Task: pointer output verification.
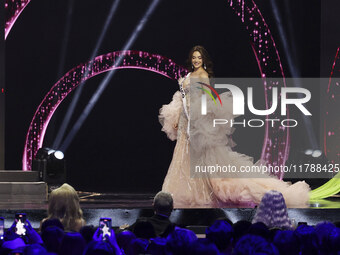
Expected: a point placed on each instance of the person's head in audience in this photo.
(163, 203)
(287, 242)
(259, 229)
(272, 211)
(34, 249)
(333, 241)
(179, 241)
(52, 237)
(309, 243)
(323, 229)
(99, 248)
(329, 239)
(221, 234)
(138, 246)
(124, 239)
(203, 247)
(63, 204)
(251, 244)
(144, 229)
(51, 222)
(157, 246)
(272, 233)
(87, 232)
(72, 244)
(240, 229)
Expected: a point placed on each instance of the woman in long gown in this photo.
(212, 148)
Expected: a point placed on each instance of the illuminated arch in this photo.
(77, 75)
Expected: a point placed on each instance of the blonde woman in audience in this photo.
(63, 204)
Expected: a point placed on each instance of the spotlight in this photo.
(316, 153)
(310, 166)
(58, 155)
(308, 152)
(51, 165)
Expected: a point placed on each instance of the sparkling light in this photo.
(268, 59)
(73, 78)
(13, 9)
(331, 120)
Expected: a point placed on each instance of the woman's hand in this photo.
(111, 239)
(33, 236)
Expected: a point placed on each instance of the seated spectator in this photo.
(99, 248)
(124, 239)
(309, 243)
(221, 234)
(250, 244)
(144, 229)
(204, 247)
(272, 233)
(272, 211)
(259, 229)
(52, 237)
(87, 232)
(72, 244)
(287, 242)
(109, 238)
(179, 241)
(332, 242)
(13, 246)
(157, 246)
(35, 249)
(138, 246)
(63, 204)
(163, 206)
(323, 231)
(240, 229)
(51, 222)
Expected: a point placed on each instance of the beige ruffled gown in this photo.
(211, 148)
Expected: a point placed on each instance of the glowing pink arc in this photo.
(331, 125)
(73, 78)
(275, 147)
(13, 9)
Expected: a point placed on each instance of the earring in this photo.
(192, 66)
(205, 67)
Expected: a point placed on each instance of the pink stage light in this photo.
(275, 149)
(13, 9)
(331, 120)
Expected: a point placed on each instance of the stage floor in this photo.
(107, 200)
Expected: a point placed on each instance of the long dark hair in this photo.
(205, 57)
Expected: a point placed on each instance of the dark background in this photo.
(2, 86)
(120, 147)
